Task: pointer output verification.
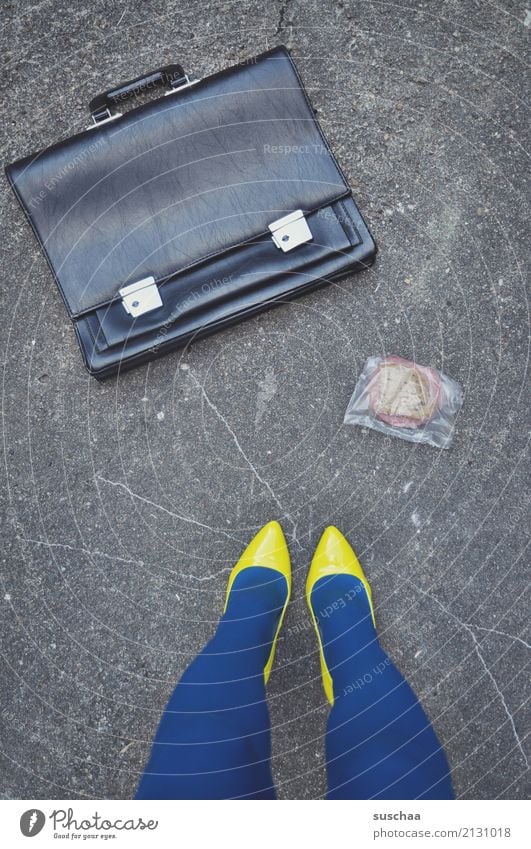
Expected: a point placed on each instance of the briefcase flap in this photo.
(177, 181)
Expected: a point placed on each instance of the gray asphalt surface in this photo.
(127, 502)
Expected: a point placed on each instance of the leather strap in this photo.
(171, 76)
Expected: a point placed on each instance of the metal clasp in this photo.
(141, 297)
(103, 118)
(187, 83)
(290, 231)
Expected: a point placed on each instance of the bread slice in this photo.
(404, 394)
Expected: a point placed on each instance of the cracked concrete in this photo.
(126, 503)
(282, 513)
(477, 648)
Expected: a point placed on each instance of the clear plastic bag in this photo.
(404, 399)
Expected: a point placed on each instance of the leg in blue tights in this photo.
(214, 739)
(379, 743)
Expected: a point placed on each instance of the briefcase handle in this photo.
(172, 76)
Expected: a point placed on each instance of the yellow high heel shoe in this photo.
(268, 549)
(333, 556)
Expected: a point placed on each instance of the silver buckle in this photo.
(187, 84)
(141, 297)
(110, 117)
(290, 231)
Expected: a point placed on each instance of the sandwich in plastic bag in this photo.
(402, 398)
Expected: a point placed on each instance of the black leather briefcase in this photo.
(192, 211)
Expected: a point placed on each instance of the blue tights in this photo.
(214, 738)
